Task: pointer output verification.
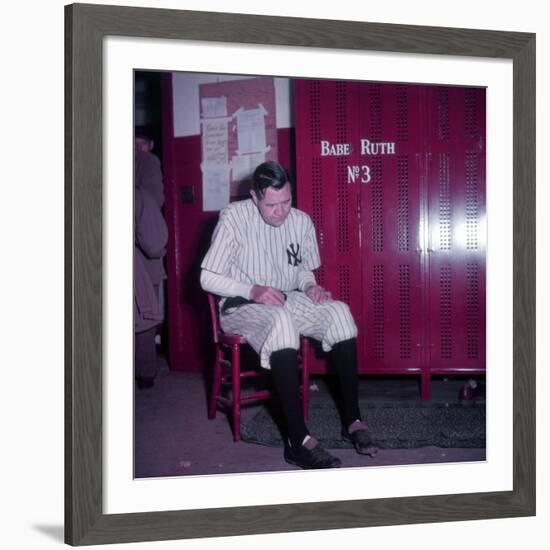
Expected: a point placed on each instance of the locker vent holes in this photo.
(443, 113)
(344, 284)
(402, 114)
(445, 312)
(472, 310)
(320, 276)
(341, 168)
(375, 113)
(444, 202)
(470, 113)
(315, 112)
(341, 113)
(378, 311)
(377, 206)
(317, 199)
(404, 312)
(472, 203)
(343, 205)
(403, 203)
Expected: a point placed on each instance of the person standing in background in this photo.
(150, 238)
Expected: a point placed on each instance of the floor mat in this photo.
(392, 426)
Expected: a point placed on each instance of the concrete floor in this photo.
(174, 437)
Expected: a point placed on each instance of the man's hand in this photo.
(267, 295)
(317, 294)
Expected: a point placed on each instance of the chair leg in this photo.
(305, 380)
(216, 386)
(236, 389)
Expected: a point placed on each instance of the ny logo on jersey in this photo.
(293, 253)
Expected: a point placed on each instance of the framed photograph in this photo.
(99, 79)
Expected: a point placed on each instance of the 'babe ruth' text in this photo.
(358, 173)
(367, 147)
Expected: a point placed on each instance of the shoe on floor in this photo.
(311, 459)
(361, 440)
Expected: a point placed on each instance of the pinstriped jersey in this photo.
(248, 250)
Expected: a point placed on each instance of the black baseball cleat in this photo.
(311, 459)
(361, 441)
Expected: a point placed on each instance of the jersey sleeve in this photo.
(222, 247)
(311, 257)
(216, 265)
(223, 286)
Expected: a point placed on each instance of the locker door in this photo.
(390, 259)
(457, 247)
(327, 111)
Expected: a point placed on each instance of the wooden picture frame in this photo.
(85, 28)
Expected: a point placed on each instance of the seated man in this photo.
(260, 260)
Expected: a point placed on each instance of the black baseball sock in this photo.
(286, 383)
(344, 358)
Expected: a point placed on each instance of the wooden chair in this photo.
(228, 369)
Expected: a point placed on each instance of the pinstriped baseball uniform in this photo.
(246, 251)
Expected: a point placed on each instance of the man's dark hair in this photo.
(143, 132)
(269, 174)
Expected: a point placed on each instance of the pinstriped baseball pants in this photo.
(273, 328)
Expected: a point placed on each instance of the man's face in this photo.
(275, 204)
(143, 145)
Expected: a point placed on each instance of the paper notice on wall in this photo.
(214, 107)
(251, 130)
(240, 167)
(214, 141)
(215, 186)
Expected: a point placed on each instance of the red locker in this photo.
(390, 255)
(393, 176)
(456, 239)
